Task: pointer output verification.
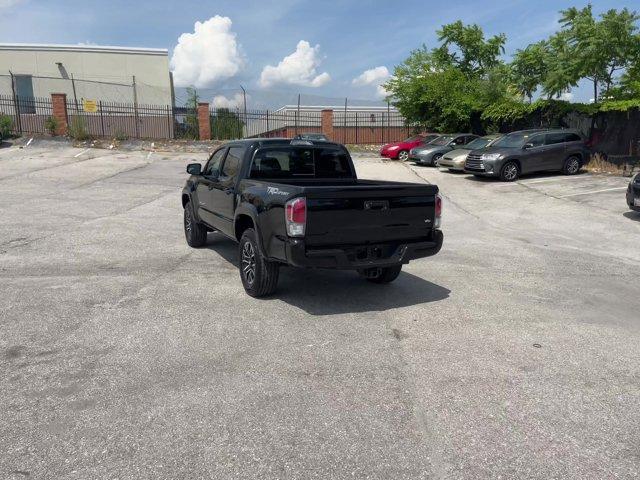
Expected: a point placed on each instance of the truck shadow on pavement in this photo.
(331, 292)
(632, 216)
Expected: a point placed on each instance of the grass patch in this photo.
(600, 164)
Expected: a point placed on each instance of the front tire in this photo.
(510, 172)
(194, 231)
(403, 155)
(571, 166)
(259, 276)
(435, 158)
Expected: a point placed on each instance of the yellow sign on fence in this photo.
(90, 106)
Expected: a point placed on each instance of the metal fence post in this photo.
(356, 117)
(16, 103)
(101, 117)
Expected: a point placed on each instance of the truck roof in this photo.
(284, 141)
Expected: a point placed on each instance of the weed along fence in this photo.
(95, 118)
(27, 115)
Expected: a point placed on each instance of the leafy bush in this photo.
(77, 129)
(5, 126)
(51, 124)
(121, 136)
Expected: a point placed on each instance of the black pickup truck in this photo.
(299, 203)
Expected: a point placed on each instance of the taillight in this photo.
(295, 214)
(438, 222)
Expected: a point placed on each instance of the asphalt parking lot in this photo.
(125, 354)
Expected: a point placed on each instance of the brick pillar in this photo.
(59, 109)
(204, 121)
(327, 123)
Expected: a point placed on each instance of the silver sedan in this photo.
(431, 153)
(454, 160)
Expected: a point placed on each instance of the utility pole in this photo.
(135, 105)
(75, 97)
(244, 101)
(16, 105)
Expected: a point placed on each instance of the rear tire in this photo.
(386, 275)
(435, 158)
(403, 155)
(571, 166)
(259, 276)
(194, 231)
(510, 172)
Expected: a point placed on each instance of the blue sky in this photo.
(343, 38)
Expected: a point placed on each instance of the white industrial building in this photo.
(110, 74)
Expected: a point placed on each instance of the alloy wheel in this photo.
(403, 155)
(511, 172)
(248, 263)
(188, 223)
(573, 166)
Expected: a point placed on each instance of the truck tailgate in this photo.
(369, 213)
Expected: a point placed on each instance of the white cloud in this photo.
(208, 55)
(237, 101)
(299, 68)
(373, 76)
(382, 92)
(568, 96)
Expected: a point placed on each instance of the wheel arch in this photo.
(247, 217)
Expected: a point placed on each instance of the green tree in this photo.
(530, 68)
(226, 125)
(465, 47)
(191, 119)
(600, 49)
(447, 88)
(561, 72)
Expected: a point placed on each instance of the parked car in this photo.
(312, 136)
(633, 193)
(431, 153)
(529, 151)
(400, 150)
(297, 203)
(454, 160)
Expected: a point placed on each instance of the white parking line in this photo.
(593, 191)
(555, 179)
(84, 151)
(149, 156)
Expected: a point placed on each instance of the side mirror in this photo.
(527, 146)
(194, 169)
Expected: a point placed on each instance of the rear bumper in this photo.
(354, 257)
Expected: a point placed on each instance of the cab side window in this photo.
(537, 141)
(572, 137)
(232, 163)
(213, 165)
(555, 138)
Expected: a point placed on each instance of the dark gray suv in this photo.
(530, 151)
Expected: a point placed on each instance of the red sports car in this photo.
(400, 150)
